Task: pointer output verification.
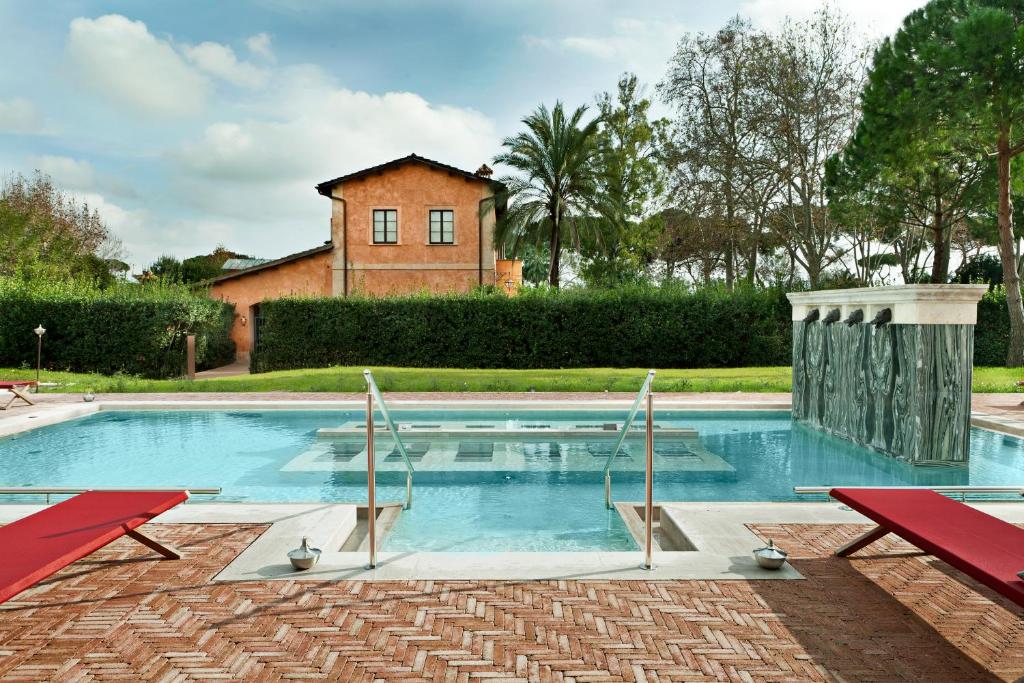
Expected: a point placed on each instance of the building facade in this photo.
(409, 225)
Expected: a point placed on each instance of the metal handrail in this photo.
(644, 389)
(374, 391)
(961, 490)
(373, 394)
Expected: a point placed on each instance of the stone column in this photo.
(888, 368)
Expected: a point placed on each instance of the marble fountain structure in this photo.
(888, 367)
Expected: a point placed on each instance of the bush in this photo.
(630, 327)
(123, 329)
(992, 333)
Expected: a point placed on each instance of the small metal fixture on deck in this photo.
(770, 557)
(304, 557)
(88, 396)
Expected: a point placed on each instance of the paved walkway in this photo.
(239, 367)
(892, 615)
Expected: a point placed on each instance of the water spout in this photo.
(812, 316)
(855, 317)
(882, 317)
(832, 316)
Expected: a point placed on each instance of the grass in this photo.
(350, 379)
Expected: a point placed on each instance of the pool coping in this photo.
(47, 414)
(720, 532)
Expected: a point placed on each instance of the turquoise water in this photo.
(544, 505)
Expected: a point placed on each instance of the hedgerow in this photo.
(630, 327)
(138, 330)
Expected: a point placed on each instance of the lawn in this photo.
(345, 379)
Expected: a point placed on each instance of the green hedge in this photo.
(992, 333)
(661, 328)
(128, 329)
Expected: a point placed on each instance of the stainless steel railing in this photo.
(962, 491)
(373, 394)
(644, 391)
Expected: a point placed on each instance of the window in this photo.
(442, 226)
(385, 226)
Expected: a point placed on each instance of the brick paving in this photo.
(894, 615)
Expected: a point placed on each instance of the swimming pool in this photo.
(486, 479)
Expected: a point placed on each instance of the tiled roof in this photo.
(243, 263)
(324, 188)
(323, 248)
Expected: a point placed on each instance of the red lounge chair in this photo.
(39, 545)
(981, 546)
(17, 390)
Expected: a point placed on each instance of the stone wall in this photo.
(904, 390)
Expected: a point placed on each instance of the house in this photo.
(408, 225)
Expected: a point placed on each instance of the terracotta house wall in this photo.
(413, 264)
(310, 275)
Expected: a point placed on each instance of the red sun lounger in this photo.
(981, 546)
(39, 545)
(17, 390)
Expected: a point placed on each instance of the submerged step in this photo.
(513, 433)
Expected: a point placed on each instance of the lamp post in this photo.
(40, 331)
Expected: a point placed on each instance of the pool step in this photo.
(359, 539)
(667, 535)
(524, 433)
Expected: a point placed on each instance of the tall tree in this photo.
(712, 83)
(46, 232)
(632, 176)
(556, 196)
(810, 78)
(959, 65)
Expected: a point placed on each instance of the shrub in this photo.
(122, 329)
(992, 333)
(665, 327)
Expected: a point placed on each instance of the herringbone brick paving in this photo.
(886, 617)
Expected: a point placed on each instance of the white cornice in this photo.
(910, 304)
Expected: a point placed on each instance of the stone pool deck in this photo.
(890, 615)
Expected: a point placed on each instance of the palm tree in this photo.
(556, 196)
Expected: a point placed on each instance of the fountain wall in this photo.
(888, 367)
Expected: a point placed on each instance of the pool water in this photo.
(527, 494)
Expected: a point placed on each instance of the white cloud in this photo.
(220, 61)
(73, 174)
(121, 60)
(323, 130)
(259, 46)
(878, 17)
(258, 174)
(640, 46)
(18, 115)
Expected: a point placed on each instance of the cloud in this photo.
(878, 17)
(18, 115)
(73, 174)
(641, 46)
(121, 60)
(259, 173)
(220, 61)
(325, 130)
(259, 46)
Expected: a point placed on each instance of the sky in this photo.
(192, 124)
